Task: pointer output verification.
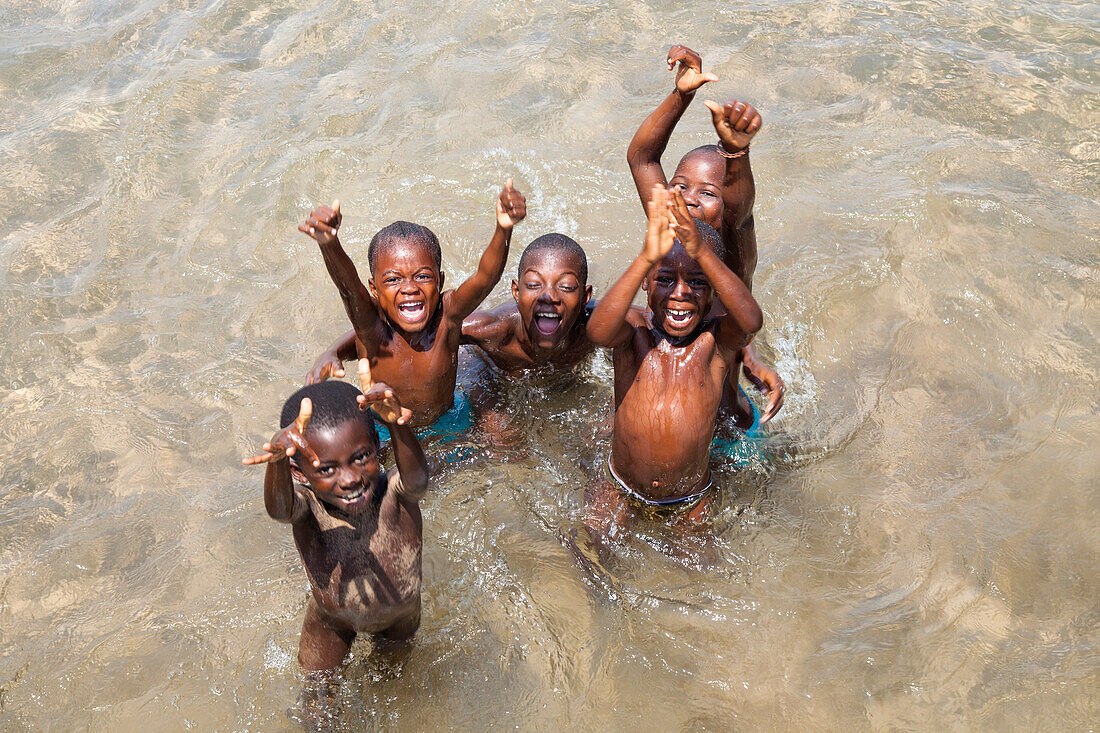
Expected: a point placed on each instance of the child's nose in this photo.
(681, 289)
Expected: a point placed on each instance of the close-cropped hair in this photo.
(559, 243)
(388, 236)
(333, 405)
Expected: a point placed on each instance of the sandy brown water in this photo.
(914, 547)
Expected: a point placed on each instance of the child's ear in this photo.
(515, 290)
(372, 288)
(587, 294)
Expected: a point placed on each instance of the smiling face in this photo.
(699, 180)
(349, 465)
(550, 295)
(407, 283)
(679, 293)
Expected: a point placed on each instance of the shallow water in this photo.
(913, 547)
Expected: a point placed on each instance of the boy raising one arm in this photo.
(670, 372)
(407, 326)
(717, 184)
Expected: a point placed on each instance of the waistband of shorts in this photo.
(679, 501)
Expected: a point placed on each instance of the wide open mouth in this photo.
(679, 318)
(413, 311)
(547, 323)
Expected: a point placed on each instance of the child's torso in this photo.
(666, 401)
(365, 573)
(423, 376)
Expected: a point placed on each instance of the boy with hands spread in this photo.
(670, 370)
(357, 528)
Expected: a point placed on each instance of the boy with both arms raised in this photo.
(410, 331)
(670, 367)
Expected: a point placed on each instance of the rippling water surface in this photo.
(914, 547)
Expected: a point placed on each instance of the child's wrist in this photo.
(728, 154)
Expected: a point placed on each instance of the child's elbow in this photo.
(754, 320)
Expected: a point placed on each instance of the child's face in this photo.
(407, 284)
(349, 465)
(699, 180)
(550, 296)
(680, 295)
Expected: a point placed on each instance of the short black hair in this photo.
(711, 236)
(558, 242)
(333, 405)
(399, 231)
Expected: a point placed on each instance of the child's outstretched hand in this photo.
(736, 123)
(323, 223)
(689, 76)
(683, 225)
(658, 236)
(511, 206)
(289, 440)
(380, 397)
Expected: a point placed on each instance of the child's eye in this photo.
(325, 471)
(423, 276)
(531, 286)
(390, 280)
(362, 458)
(567, 288)
(711, 194)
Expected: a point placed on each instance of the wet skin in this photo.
(357, 529)
(670, 372)
(667, 381)
(405, 324)
(545, 326)
(720, 191)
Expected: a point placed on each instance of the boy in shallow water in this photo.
(545, 327)
(717, 184)
(406, 325)
(356, 527)
(670, 369)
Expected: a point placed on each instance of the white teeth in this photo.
(548, 315)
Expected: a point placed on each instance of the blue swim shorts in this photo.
(454, 424)
(740, 449)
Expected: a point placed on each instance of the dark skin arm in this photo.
(610, 325)
(322, 226)
(278, 481)
(736, 123)
(511, 209)
(649, 142)
(408, 455)
(766, 381)
(331, 361)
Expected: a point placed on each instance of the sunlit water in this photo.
(915, 546)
